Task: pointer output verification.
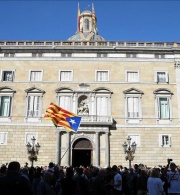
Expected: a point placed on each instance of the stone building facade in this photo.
(120, 89)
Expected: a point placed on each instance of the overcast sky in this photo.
(116, 20)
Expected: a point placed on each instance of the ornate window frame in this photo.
(7, 91)
(33, 91)
(133, 93)
(163, 93)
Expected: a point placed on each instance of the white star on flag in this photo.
(72, 121)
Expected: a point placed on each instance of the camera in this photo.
(169, 160)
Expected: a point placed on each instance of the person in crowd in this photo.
(37, 178)
(163, 177)
(117, 181)
(154, 183)
(25, 172)
(44, 186)
(82, 182)
(173, 177)
(13, 182)
(141, 184)
(98, 184)
(68, 184)
(109, 181)
(125, 181)
(58, 187)
(3, 170)
(131, 182)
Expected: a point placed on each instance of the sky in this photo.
(151, 21)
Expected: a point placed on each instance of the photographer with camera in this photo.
(173, 177)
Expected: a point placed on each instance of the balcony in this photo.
(96, 120)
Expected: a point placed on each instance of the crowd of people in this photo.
(116, 180)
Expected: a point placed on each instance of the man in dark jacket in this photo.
(13, 182)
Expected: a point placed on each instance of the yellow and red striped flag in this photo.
(93, 15)
(62, 117)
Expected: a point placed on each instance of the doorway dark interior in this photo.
(82, 157)
(82, 153)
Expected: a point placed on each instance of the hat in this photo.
(173, 164)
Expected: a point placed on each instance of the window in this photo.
(66, 55)
(103, 105)
(3, 138)
(5, 106)
(65, 98)
(132, 76)
(161, 77)
(7, 75)
(29, 136)
(133, 107)
(35, 75)
(133, 110)
(66, 75)
(34, 104)
(102, 75)
(165, 140)
(136, 139)
(6, 95)
(163, 104)
(86, 24)
(65, 102)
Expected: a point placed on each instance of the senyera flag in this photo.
(62, 117)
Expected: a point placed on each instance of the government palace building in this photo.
(121, 89)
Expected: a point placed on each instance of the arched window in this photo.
(86, 24)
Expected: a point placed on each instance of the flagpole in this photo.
(67, 148)
(78, 15)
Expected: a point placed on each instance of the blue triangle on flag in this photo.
(74, 122)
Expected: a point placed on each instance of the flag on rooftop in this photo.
(93, 15)
(62, 117)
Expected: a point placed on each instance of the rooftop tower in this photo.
(86, 26)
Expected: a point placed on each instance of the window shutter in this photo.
(155, 77)
(167, 78)
(36, 106)
(2, 138)
(170, 141)
(30, 106)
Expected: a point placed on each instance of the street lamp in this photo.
(33, 150)
(129, 149)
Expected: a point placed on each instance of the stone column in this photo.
(107, 149)
(97, 149)
(58, 143)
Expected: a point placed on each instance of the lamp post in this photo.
(129, 149)
(33, 150)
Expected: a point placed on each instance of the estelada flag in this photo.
(62, 117)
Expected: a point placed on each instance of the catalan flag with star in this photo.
(62, 117)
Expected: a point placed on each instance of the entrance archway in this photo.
(82, 153)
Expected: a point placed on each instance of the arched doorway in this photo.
(82, 153)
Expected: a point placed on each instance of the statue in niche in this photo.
(83, 108)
